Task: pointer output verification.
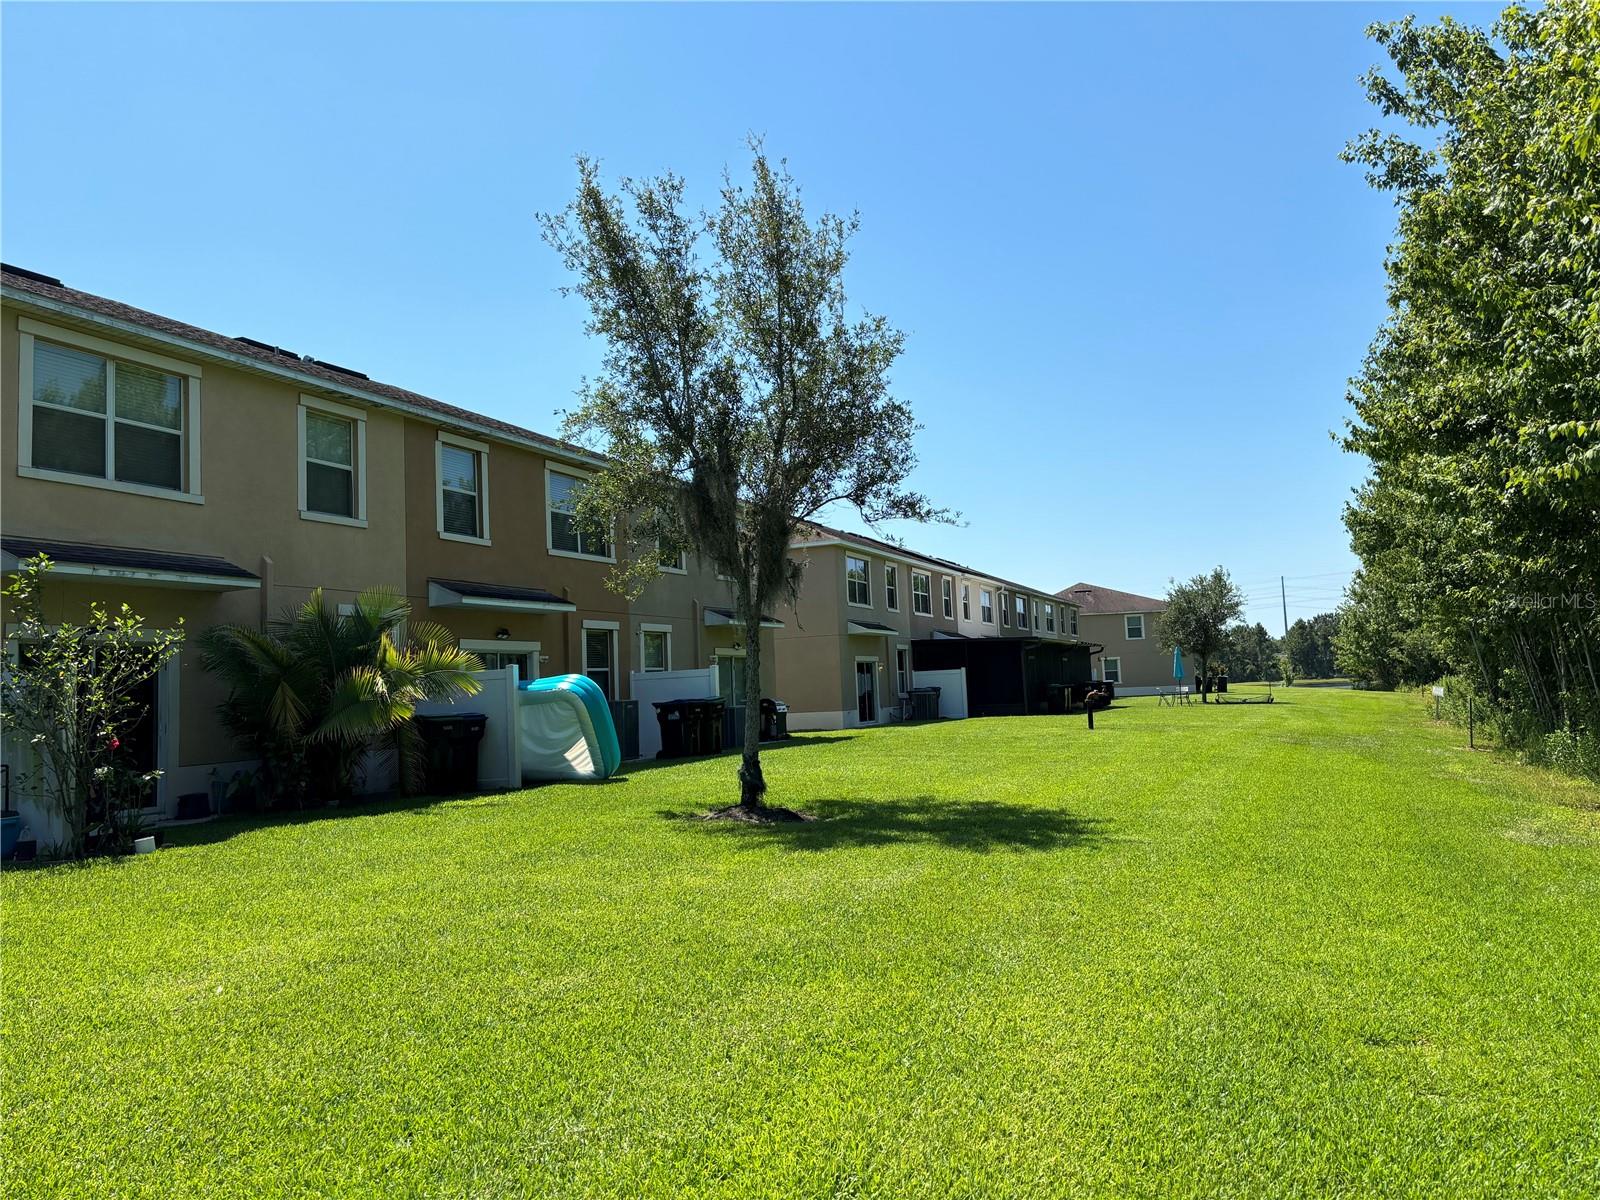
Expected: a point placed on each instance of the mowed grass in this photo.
(1308, 949)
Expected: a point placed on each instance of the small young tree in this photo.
(67, 692)
(738, 396)
(1198, 616)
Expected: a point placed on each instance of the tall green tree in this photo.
(739, 395)
(1250, 653)
(1479, 402)
(1309, 645)
(1198, 615)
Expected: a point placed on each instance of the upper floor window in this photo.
(891, 587)
(1072, 621)
(1005, 611)
(1133, 625)
(857, 581)
(673, 559)
(966, 602)
(1049, 618)
(566, 536)
(921, 593)
(1022, 612)
(107, 415)
(986, 605)
(947, 594)
(1036, 624)
(333, 443)
(463, 499)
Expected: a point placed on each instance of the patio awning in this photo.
(125, 564)
(946, 635)
(872, 628)
(499, 597)
(726, 616)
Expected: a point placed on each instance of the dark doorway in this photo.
(867, 692)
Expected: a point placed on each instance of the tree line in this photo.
(1478, 405)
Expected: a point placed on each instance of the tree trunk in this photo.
(752, 784)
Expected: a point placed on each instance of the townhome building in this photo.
(216, 479)
(852, 642)
(1126, 629)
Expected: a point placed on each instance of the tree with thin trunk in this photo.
(1198, 615)
(739, 394)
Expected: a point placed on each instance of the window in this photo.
(1005, 611)
(921, 593)
(655, 648)
(672, 559)
(1072, 617)
(986, 605)
(106, 415)
(730, 677)
(463, 501)
(902, 669)
(501, 653)
(1022, 612)
(857, 581)
(1049, 618)
(947, 594)
(333, 442)
(1113, 670)
(597, 658)
(564, 533)
(966, 602)
(1133, 625)
(891, 587)
(1036, 624)
(499, 660)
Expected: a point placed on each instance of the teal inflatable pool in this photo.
(565, 731)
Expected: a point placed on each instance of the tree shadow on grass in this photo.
(979, 826)
(641, 765)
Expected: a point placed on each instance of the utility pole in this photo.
(1283, 594)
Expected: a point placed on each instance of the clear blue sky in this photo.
(1119, 239)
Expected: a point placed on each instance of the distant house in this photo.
(1125, 625)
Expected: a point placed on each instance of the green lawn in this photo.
(1308, 949)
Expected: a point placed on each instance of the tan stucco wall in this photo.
(1144, 662)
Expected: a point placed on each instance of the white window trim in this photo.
(190, 493)
(1050, 618)
(927, 579)
(902, 648)
(1104, 670)
(877, 686)
(1127, 631)
(648, 627)
(506, 646)
(358, 420)
(947, 597)
(666, 568)
(482, 449)
(614, 670)
(983, 620)
(887, 567)
(966, 602)
(549, 524)
(867, 562)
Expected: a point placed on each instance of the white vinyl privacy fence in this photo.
(650, 687)
(952, 687)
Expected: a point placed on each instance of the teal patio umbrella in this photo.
(1177, 666)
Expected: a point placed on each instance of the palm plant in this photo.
(317, 688)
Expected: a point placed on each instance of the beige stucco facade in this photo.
(1141, 664)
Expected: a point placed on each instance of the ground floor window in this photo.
(902, 669)
(496, 660)
(1112, 671)
(599, 655)
(499, 654)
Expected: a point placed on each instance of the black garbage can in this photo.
(450, 750)
(710, 715)
(1220, 683)
(1058, 698)
(678, 732)
(925, 703)
(774, 719)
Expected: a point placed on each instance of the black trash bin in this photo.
(710, 716)
(450, 749)
(925, 703)
(679, 735)
(1220, 683)
(1058, 698)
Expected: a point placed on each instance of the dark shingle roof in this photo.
(123, 557)
(501, 591)
(1091, 598)
(892, 548)
(23, 285)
